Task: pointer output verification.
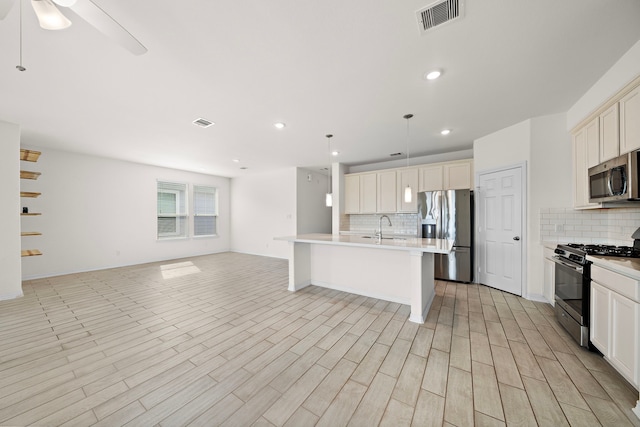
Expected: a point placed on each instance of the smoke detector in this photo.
(438, 13)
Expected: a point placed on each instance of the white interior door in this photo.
(499, 224)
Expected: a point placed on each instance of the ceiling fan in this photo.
(51, 18)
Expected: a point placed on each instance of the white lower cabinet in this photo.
(549, 274)
(614, 328)
(625, 325)
(599, 323)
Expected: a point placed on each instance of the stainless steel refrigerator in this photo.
(448, 214)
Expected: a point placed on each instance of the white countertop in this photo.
(627, 266)
(437, 246)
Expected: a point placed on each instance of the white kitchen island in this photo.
(391, 269)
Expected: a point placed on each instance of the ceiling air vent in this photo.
(203, 123)
(438, 13)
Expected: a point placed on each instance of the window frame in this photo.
(208, 189)
(181, 218)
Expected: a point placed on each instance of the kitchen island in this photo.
(392, 269)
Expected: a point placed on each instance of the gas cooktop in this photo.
(605, 250)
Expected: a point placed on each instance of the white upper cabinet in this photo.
(613, 129)
(352, 194)
(431, 178)
(592, 135)
(387, 192)
(368, 193)
(630, 121)
(382, 191)
(458, 176)
(581, 164)
(609, 133)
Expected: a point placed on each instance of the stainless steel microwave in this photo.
(615, 179)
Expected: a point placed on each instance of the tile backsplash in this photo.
(401, 224)
(598, 226)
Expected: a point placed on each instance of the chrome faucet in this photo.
(379, 233)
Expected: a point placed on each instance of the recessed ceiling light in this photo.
(445, 131)
(279, 125)
(335, 153)
(432, 75)
(203, 123)
(236, 160)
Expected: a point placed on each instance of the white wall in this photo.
(551, 186)
(263, 206)
(10, 265)
(312, 215)
(508, 146)
(99, 213)
(622, 72)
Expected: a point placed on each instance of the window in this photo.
(172, 210)
(205, 210)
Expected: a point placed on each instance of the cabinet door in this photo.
(368, 193)
(387, 192)
(580, 171)
(431, 178)
(599, 323)
(592, 135)
(630, 121)
(458, 176)
(609, 133)
(623, 350)
(549, 275)
(352, 194)
(408, 177)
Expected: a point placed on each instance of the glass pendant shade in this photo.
(49, 17)
(328, 199)
(407, 194)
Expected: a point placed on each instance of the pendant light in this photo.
(408, 192)
(20, 67)
(329, 197)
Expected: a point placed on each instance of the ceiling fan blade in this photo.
(49, 17)
(103, 22)
(5, 7)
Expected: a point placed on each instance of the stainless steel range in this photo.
(572, 277)
(572, 284)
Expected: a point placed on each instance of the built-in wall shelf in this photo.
(30, 252)
(29, 155)
(29, 194)
(29, 175)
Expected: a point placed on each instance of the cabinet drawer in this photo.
(623, 285)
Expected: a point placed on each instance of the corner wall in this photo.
(100, 213)
(312, 215)
(10, 261)
(263, 206)
(544, 144)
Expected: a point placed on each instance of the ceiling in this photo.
(349, 68)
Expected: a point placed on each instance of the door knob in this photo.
(516, 238)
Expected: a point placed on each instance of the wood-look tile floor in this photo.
(218, 340)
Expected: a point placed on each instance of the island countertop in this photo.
(437, 246)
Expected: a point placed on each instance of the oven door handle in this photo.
(557, 260)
